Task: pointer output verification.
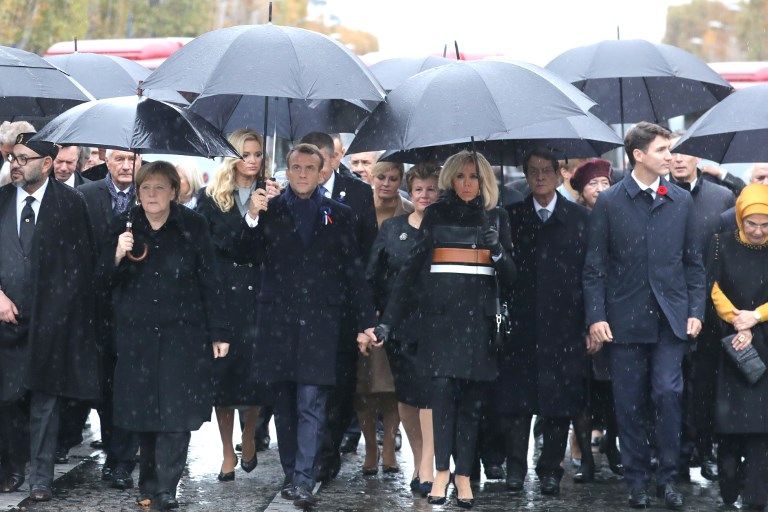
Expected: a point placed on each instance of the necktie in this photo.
(27, 225)
(544, 214)
(324, 191)
(649, 196)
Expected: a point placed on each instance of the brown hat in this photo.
(40, 147)
(586, 172)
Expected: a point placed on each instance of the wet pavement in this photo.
(80, 487)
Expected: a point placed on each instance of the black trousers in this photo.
(162, 461)
(456, 408)
(748, 477)
(14, 437)
(339, 409)
(43, 433)
(120, 445)
(555, 432)
(72, 417)
(492, 437)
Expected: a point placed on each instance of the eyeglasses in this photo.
(755, 225)
(22, 159)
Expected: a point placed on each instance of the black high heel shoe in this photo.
(424, 488)
(439, 500)
(250, 465)
(613, 455)
(227, 477)
(465, 504)
(585, 474)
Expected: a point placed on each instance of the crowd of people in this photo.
(622, 308)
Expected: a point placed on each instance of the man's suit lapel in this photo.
(662, 199)
(105, 199)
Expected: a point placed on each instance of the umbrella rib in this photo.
(650, 101)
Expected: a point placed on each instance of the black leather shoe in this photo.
(550, 486)
(249, 465)
(514, 483)
(349, 443)
(709, 470)
(262, 443)
(673, 499)
(62, 456)
(12, 482)
(98, 444)
(41, 494)
(288, 491)
(304, 498)
(121, 480)
(585, 474)
(495, 472)
(638, 498)
(415, 485)
(165, 501)
(106, 473)
(424, 488)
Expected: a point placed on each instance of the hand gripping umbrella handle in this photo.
(129, 255)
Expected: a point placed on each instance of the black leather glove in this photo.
(382, 333)
(490, 239)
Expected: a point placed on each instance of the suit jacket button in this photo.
(234, 264)
(302, 323)
(250, 287)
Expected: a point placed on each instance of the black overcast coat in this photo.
(305, 291)
(168, 311)
(546, 362)
(456, 310)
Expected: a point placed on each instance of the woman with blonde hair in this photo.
(387, 178)
(451, 275)
(191, 183)
(224, 203)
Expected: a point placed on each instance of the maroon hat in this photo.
(586, 172)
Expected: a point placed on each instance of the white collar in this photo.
(653, 186)
(551, 206)
(21, 194)
(329, 184)
(71, 180)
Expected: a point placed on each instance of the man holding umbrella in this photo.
(47, 338)
(644, 288)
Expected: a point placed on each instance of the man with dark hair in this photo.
(359, 197)
(49, 347)
(644, 291)
(305, 242)
(67, 165)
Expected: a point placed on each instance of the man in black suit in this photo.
(67, 166)
(106, 199)
(48, 344)
(313, 278)
(644, 289)
(721, 176)
(358, 195)
(700, 366)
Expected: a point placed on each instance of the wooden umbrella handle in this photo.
(129, 254)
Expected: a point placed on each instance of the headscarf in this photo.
(752, 199)
(589, 170)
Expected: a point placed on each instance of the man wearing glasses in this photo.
(47, 339)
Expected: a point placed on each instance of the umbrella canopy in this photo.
(734, 130)
(580, 136)
(108, 76)
(137, 124)
(635, 80)
(392, 72)
(465, 100)
(30, 87)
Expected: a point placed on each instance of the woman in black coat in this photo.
(223, 204)
(739, 289)
(455, 265)
(390, 251)
(169, 327)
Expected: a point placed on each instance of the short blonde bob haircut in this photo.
(489, 187)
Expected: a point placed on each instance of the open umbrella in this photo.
(30, 87)
(266, 61)
(108, 76)
(138, 124)
(392, 72)
(468, 100)
(634, 80)
(734, 130)
(579, 136)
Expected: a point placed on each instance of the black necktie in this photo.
(648, 195)
(27, 225)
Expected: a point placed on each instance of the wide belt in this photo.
(462, 261)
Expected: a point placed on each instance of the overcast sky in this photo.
(530, 30)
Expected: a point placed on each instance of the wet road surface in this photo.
(81, 489)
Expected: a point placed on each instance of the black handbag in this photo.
(747, 361)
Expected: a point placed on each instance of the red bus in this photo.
(149, 52)
(742, 74)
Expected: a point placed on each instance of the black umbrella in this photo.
(266, 61)
(30, 87)
(108, 76)
(635, 80)
(392, 72)
(580, 136)
(465, 100)
(141, 125)
(734, 130)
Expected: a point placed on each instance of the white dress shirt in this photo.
(71, 180)
(329, 185)
(550, 207)
(21, 198)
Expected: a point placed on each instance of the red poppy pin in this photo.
(662, 190)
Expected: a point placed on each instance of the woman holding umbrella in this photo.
(162, 381)
(223, 204)
(465, 248)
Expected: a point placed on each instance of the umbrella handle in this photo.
(129, 255)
